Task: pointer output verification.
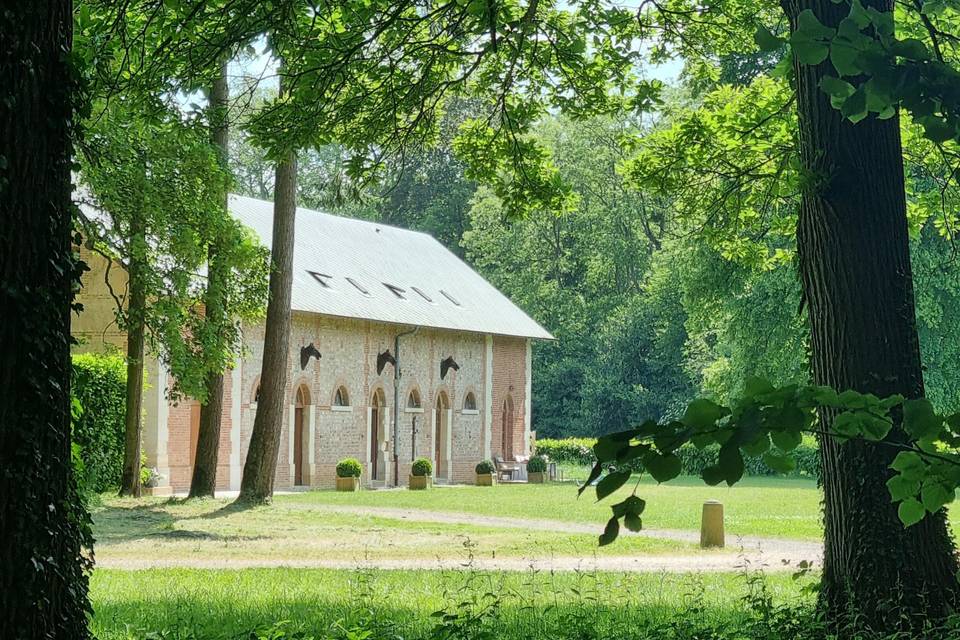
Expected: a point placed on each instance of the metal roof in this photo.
(360, 269)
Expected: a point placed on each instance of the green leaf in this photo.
(633, 504)
(758, 447)
(809, 25)
(859, 15)
(847, 425)
(901, 488)
(911, 512)
(910, 465)
(786, 440)
(780, 464)
(766, 41)
(713, 475)
(935, 495)
(754, 386)
(662, 467)
(809, 41)
(731, 463)
(827, 396)
(633, 522)
(843, 56)
(703, 414)
(855, 107)
(594, 474)
(920, 420)
(611, 531)
(611, 482)
(911, 48)
(875, 428)
(607, 448)
(937, 129)
(809, 52)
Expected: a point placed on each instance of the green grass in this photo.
(132, 532)
(229, 604)
(768, 507)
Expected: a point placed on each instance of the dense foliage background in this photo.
(657, 292)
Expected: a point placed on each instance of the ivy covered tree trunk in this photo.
(43, 526)
(855, 268)
(204, 479)
(136, 308)
(261, 463)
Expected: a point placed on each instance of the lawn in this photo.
(191, 603)
(766, 507)
(297, 529)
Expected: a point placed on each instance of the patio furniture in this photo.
(506, 470)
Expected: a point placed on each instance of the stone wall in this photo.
(349, 350)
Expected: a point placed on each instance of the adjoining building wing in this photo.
(360, 269)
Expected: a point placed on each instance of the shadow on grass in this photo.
(115, 524)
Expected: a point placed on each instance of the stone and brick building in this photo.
(361, 289)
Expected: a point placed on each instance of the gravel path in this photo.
(770, 553)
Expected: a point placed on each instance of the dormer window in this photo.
(359, 287)
(450, 297)
(322, 278)
(395, 290)
(422, 294)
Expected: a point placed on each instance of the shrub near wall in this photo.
(98, 383)
(580, 451)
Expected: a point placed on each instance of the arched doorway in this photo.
(506, 429)
(377, 434)
(441, 436)
(299, 462)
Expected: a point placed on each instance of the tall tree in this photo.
(135, 322)
(44, 528)
(204, 479)
(854, 260)
(256, 485)
(850, 74)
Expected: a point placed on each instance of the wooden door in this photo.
(375, 443)
(298, 446)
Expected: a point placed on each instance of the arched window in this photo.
(413, 400)
(470, 402)
(341, 398)
(256, 393)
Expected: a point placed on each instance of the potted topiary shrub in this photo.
(485, 473)
(348, 474)
(421, 474)
(537, 470)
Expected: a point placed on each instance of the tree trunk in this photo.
(204, 480)
(261, 463)
(136, 309)
(855, 268)
(43, 526)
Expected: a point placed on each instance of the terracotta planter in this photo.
(536, 477)
(485, 480)
(348, 484)
(421, 482)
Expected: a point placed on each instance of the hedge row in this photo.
(580, 451)
(99, 384)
